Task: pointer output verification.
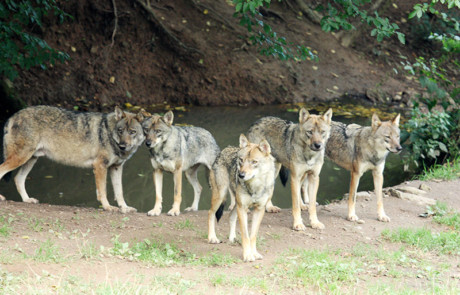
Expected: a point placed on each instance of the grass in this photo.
(46, 283)
(448, 171)
(444, 215)
(5, 225)
(48, 252)
(424, 239)
(164, 254)
(318, 269)
(186, 224)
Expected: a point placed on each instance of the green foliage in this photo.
(19, 47)
(429, 135)
(435, 136)
(262, 34)
(5, 225)
(447, 171)
(337, 18)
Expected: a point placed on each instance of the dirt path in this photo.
(75, 236)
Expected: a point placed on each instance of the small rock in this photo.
(411, 190)
(360, 221)
(423, 201)
(424, 187)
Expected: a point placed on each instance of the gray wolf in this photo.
(101, 141)
(359, 149)
(300, 149)
(248, 173)
(175, 149)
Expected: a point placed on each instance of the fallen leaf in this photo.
(112, 79)
(205, 11)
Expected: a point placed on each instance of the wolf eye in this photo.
(146, 130)
(132, 131)
(309, 133)
(157, 131)
(254, 162)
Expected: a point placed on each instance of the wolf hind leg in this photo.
(192, 177)
(20, 180)
(13, 161)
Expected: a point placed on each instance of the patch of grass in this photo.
(215, 259)
(5, 225)
(444, 215)
(246, 283)
(186, 224)
(448, 171)
(46, 283)
(88, 250)
(155, 252)
(403, 289)
(48, 251)
(424, 239)
(36, 224)
(165, 254)
(316, 269)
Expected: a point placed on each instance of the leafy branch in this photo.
(19, 47)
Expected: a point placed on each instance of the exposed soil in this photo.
(70, 228)
(144, 67)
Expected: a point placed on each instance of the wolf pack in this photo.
(272, 147)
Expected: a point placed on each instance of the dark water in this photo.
(62, 185)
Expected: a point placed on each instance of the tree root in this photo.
(175, 42)
(215, 15)
(115, 13)
(311, 14)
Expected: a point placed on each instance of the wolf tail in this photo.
(220, 211)
(284, 175)
(7, 176)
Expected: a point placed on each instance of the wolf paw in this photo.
(273, 209)
(154, 212)
(299, 227)
(174, 212)
(384, 218)
(257, 255)
(111, 208)
(214, 240)
(31, 201)
(249, 257)
(191, 208)
(127, 209)
(304, 207)
(2, 198)
(317, 225)
(353, 217)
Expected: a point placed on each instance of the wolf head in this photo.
(128, 130)
(387, 133)
(157, 128)
(315, 129)
(253, 158)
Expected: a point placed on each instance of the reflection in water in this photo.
(58, 184)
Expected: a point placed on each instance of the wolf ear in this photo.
(375, 122)
(328, 116)
(396, 120)
(264, 146)
(168, 118)
(243, 141)
(303, 115)
(119, 114)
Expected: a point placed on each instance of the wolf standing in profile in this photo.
(359, 149)
(299, 148)
(248, 173)
(101, 141)
(176, 149)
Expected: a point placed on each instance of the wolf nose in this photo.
(122, 146)
(241, 174)
(399, 148)
(317, 145)
(148, 143)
